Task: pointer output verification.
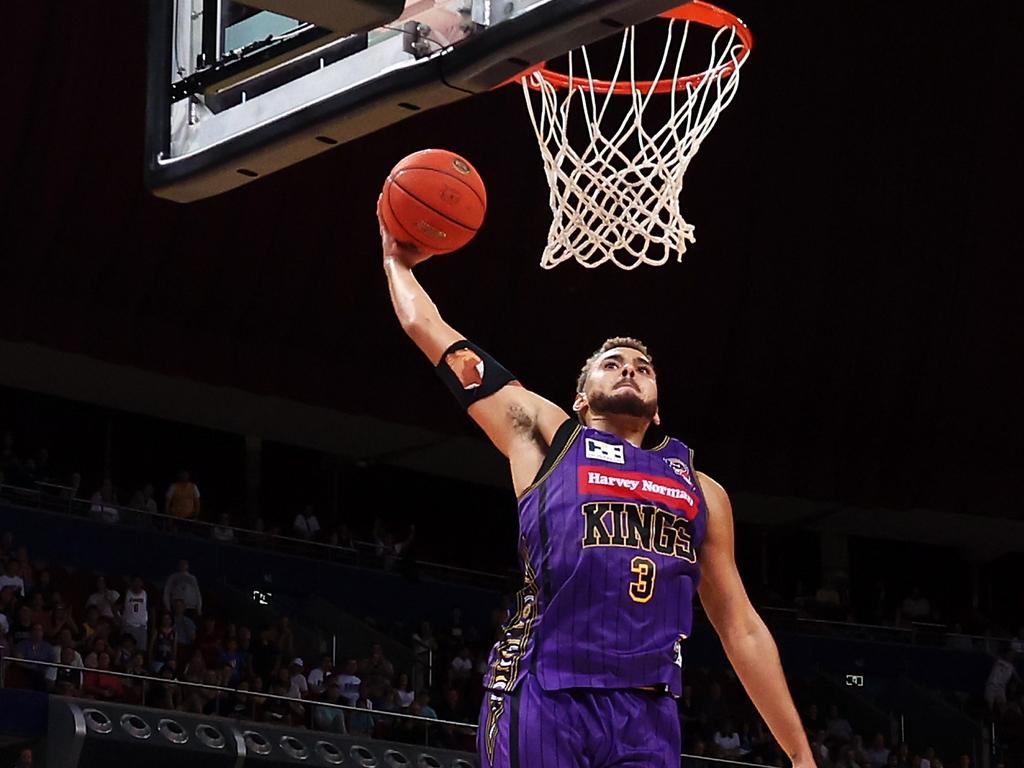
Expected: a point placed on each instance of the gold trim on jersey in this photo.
(568, 444)
(515, 638)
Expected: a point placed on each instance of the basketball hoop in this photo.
(615, 197)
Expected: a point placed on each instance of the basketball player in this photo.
(614, 540)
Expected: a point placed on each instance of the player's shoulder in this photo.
(714, 492)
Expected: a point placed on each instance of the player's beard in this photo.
(626, 403)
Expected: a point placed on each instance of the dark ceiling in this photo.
(847, 325)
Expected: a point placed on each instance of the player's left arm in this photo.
(746, 639)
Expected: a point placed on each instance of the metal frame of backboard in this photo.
(232, 151)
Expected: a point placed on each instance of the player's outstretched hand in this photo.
(405, 253)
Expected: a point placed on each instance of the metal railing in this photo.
(252, 698)
(428, 724)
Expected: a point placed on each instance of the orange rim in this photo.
(697, 11)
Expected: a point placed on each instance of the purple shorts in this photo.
(578, 728)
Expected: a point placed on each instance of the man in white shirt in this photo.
(462, 665)
(1001, 674)
(727, 740)
(317, 677)
(349, 682)
(182, 585)
(12, 577)
(135, 619)
(299, 688)
(104, 599)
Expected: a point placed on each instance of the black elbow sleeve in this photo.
(470, 373)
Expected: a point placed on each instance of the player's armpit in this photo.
(721, 589)
(514, 417)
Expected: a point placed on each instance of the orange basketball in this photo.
(434, 199)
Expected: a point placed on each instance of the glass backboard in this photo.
(239, 90)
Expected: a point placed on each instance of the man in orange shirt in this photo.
(183, 498)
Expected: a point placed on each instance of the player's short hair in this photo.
(616, 341)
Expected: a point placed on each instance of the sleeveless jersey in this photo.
(609, 535)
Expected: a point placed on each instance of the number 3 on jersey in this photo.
(642, 589)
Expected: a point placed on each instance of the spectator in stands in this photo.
(404, 693)
(878, 754)
(845, 758)
(164, 695)
(995, 687)
(462, 666)
(68, 681)
(22, 628)
(5, 642)
(285, 637)
(318, 676)
(223, 531)
(163, 644)
(838, 727)
(12, 577)
(35, 648)
(124, 653)
(103, 504)
(96, 647)
(183, 625)
(330, 718)
(727, 741)
(812, 719)
(277, 710)
(819, 750)
(144, 501)
(182, 585)
(62, 620)
(104, 599)
(90, 623)
(362, 723)
(43, 586)
(298, 688)
(135, 615)
(232, 658)
(350, 682)
(183, 498)
(24, 758)
(305, 525)
(377, 672)
(422, 704)
(915, 606)
(8, 601)
(902, 755)
(266, 655)
(41, 614)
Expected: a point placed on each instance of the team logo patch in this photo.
(601, 481)
(602, 451)
(679, 467)
(467, 367)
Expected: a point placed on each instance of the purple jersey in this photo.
(609, 535)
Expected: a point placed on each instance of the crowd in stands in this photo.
(167, 633)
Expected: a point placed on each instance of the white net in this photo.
(615, 197)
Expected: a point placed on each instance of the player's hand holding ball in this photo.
(433, 202)
(404, 253)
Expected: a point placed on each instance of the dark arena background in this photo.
(842, 346)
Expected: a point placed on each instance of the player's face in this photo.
(622, 381)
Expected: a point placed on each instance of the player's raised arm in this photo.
(520, 423)
(745, 638)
